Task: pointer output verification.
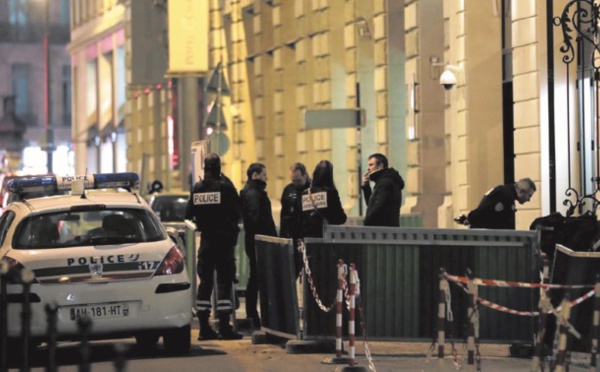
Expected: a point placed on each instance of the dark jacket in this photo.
(289, 223)
(324, 207)
(383, 202)
(496, 209)
(215, 207)
(256, 210)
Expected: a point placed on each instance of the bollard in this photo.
(120, 360)
(563, 333)
(85, 325)
(4, 272)
(442, 314)
(51, 313)
(26, 280)
(338, 359)
(473, 331)
(351, 321)
(441, 340)
(595, 326)
(352, 366)
(544, 305)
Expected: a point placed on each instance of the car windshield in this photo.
(170, 208)
(87, 227)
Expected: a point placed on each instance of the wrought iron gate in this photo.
(574, 104)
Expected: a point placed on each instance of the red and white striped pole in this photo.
(442, 315)
(473, 332)
(351, 321)
(339, 307)
(543, 307)
(595, 326)
(563, 320)
(342, 271)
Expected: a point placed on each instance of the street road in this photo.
(224, 356)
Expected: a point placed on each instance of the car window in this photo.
(170, 208)
(82, 227)
(5, 222)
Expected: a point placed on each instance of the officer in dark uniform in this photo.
(291, 214)
(258, 220)
(497, 208)
(321, 202)
(215, 207)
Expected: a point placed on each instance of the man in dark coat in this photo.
(215, 207)
(383, 202)
(290, 214)
(290, 226)
(496, 209)
(258, 220)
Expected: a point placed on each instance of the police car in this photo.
(96, 253)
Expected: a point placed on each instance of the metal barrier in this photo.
(277, 286)
(406, 220)
(575, 268)
(242, 266)
(400, 268)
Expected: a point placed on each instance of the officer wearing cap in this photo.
(215, 207)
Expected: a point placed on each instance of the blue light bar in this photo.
(116, 180)
(48, 185)
(42, 184)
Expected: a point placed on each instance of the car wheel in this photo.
(177, 340)
(147, 340)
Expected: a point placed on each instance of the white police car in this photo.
(103, 255)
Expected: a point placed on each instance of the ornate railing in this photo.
(579, 23)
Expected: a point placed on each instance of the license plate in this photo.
(100, 311)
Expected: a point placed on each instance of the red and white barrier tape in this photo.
(505, 309)
(505, 283)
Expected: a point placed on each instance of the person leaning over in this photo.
(383, 202)
(258, 220)
(291, 214)
(215, 207)
(496, 210)
(321, 202)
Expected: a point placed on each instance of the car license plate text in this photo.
(100, 311)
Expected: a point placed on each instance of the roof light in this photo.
(48, 185)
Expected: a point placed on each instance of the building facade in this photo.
(23, 76)
(97, 51)
(500, 122)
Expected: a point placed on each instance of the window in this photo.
(17, 12)
(65, 12)
(20, 74)
(5, 222)
(87, 227)
(66, 95)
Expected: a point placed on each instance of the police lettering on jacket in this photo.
(319, 201)
(205, 198)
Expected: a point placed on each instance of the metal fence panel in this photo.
(277, 286)
(399, 270)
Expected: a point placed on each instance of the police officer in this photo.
(321, 202)
(215, 207)
(291, 213)
(258, 220)
(497, 208)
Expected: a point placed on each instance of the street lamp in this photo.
(48, 127)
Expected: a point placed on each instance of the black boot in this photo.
(225, 330)
(206, 331)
